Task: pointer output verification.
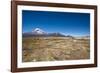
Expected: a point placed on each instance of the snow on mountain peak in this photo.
(38, 31)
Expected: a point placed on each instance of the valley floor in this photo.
(54, 49)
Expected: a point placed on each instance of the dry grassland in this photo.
(54, 49)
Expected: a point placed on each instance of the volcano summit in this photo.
(39, 32)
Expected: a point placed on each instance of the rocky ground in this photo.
(54, 49)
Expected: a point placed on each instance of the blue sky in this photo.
(76, 24)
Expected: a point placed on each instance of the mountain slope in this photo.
(39, 32)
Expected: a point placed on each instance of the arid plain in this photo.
(55, 49)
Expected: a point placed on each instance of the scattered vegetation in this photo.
(54, 48)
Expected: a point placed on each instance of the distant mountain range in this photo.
(37, 32)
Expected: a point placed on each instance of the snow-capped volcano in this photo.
(38, 31)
